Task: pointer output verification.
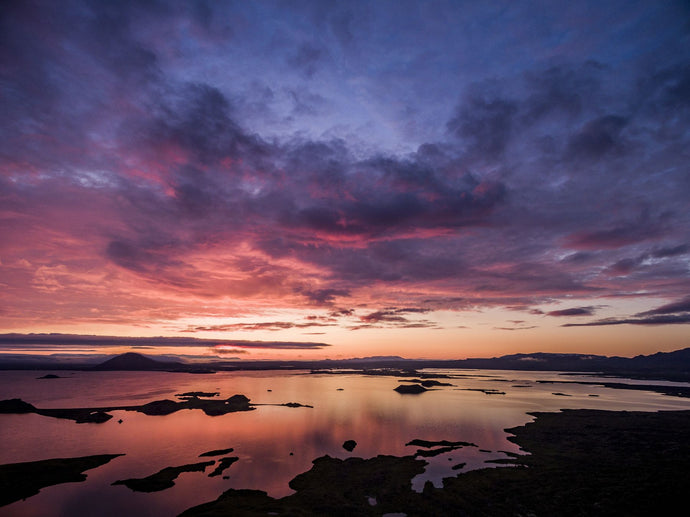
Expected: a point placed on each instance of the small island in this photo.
(410, 389)
(162, 479)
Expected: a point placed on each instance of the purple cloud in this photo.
(573, 311)
(190, 159)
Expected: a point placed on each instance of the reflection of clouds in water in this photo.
(367, 410)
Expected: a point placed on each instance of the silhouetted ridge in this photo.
(134, 361)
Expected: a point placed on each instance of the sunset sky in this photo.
(344, 179)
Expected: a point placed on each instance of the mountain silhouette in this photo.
(134, 361)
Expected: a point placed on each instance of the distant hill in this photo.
(662, 365)
(136, 362)
(673, 365)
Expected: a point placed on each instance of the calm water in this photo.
(366, 410)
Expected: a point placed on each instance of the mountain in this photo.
(134, 361)
(662, 365)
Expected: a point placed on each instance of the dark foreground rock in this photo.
(581, 463)
(163, 478)
(349, 445)
(21, 480)
(332, 487)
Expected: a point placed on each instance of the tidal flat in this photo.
(454, 448)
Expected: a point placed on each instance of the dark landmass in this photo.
(439, 443)
(442, 447)
(162, 479)
(662, 365)
(332, 487)
(410, 389)
(210, 407)
(155, 408)
(349, 445)
(430, 453)
(295, 404)
(428, 383)
(205, 394)
(581, 463)
(79, 415)
(675, 391)
(217, 452)
(486, 391)
(559, 394)
(223, 464)
(50, 376)
(375, 371)
(21, 480)
(458, 466)
(135, 362)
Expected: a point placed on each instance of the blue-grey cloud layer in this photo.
(464, 154)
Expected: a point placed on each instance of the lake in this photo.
(364, 408)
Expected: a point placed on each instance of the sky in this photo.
(437, 179)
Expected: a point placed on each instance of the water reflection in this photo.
(363, 408)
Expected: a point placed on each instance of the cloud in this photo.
(484, 123)
(666, 319)
(33, 341)
(324, 296)
(272, 326)
(573, 311)
(630, 232)
(669, 308)
(516, 328)
(596, 138)
(669, 314)
(222, 350)
(392, 317)
(152, 170)
(307, 58)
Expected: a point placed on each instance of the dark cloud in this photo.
(307, 58)
(596, 138)
(324, 296)
(227, 351)
(631, 232)
(573, 311)
(625, 266)
(197, 118)
(167, 148)
(667, 319)
(43, 340)
(484, 124)
(670, 308)
(394, 317)
(272, 326)
(669, 314)
(671, 251)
